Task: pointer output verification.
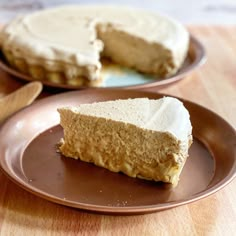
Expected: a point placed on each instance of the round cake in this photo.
(66, 44)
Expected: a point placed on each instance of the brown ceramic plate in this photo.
(123, 78)
(29, 157)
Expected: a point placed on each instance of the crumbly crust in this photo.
(38, 72)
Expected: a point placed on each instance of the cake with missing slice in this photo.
(140, 137)
(65, 44)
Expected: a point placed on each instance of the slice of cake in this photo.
(140, 137)
(65, 44)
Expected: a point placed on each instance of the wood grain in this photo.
(213, 86)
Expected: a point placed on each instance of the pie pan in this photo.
(119, 77)
(29, 157)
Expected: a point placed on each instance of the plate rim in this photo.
(198, 62)
(125, 210)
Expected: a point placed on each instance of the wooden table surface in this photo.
(213, 86)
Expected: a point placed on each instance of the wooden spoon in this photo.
(19, 99)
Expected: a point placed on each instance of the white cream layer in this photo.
(164, 115)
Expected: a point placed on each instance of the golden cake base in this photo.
(38, 72)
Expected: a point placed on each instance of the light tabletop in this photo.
(212, 86)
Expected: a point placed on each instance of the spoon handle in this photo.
(19, 99)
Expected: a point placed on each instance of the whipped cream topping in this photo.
(69, 34)
(164, 115)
